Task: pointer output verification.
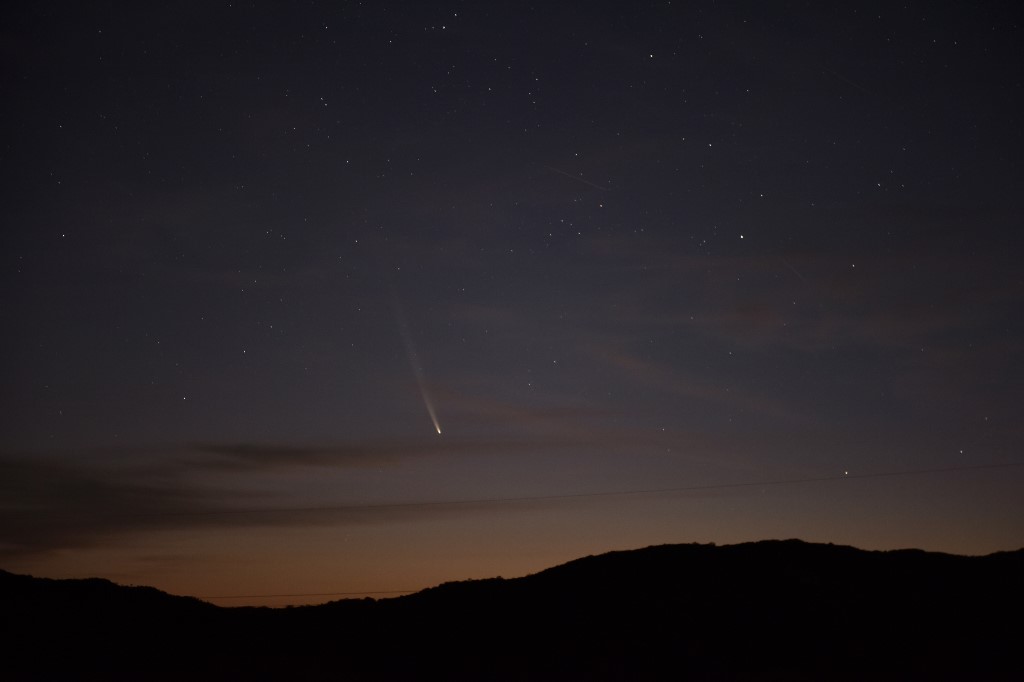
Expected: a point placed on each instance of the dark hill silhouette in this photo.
(767, 610)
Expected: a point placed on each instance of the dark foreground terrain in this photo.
(779, 610)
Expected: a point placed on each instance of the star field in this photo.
(352, 297)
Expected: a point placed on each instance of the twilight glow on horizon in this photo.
(325, 300)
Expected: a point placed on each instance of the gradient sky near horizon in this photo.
(757, 256)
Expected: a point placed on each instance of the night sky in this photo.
(323, 298)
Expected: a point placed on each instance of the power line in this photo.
(595, 494)
(569, 496)
(309, 594)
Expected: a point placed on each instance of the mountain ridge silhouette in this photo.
(775, 609)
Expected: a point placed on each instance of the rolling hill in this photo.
(766, 610)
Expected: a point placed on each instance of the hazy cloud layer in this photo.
(60, 501)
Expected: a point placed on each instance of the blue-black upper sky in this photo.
(297, 296)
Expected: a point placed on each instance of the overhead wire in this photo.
(592, 494)
(532, 498)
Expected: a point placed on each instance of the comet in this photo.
(414, 362)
